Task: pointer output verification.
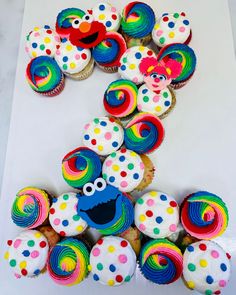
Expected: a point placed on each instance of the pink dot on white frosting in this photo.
(113, 9)
(86, 126)
(182, 29)
(57, 38)
(77, 56)
(36, 34)
(108, 135)
(139, 107)
(156, 98)
(173, 227)
(96, 252)
(141, 165)
(27, 49)
(58, 52)
(34, 254)
(142, 227)
(56, 221)
(222, 283)
(150, 202)
(17, 243)
(122, 258)
(135, 80)
(123, 184)
(17, 275)
(214, 254)
(159, 33)
(108, 163)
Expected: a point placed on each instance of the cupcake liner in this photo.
(111, 70)
(130, 41)
(84, 74)
(149, 172)
(57, 90)
(173, 103)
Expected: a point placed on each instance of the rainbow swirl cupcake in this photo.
(120, 98)
(161, 261)
(204, 215)
(44, 76)
(68, 262)
(30, 208)
(144, 133)
(183, 54)
(137, 22)
(80, 166)
(107, 54)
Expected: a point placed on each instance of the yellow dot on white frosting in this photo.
(191, 284)
(203, 263)
(115, 167)
(102, 16)
(141, 48)
(110, 282)
(72, 65)
(132, 66)
(100, 148)
(142, 218)
(68, 47)
(79, 228)
(171, 34)
(36, 28)
(63, 206)
(158, 108)
(157, 26)
(97, 130)
(153, 194)
(6, 255)
(34, 54)
(47, 40)
(170, 210)
(23, 264)
(111, 249)
(89, 267)
(37, 235)
(133, 154)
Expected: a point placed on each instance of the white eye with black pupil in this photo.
(154, 76)
(76, 23)
(87, 18)
(88, 189)
(100, 184)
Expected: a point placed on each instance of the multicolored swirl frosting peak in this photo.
(30, 208)
(120, 98)
(138, 19)
(204, 215)
(144, 133)
(161, 261)
(68, 262)
(80, 166)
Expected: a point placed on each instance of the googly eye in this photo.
(88, 18)
(100, 184)
(76, 23)
(154, 75)
(88, 189)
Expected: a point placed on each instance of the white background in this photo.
(198, 151)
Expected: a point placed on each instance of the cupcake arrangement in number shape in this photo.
(169, 240)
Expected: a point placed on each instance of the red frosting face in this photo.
(86, 32)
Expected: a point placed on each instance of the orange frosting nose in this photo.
(85, 27)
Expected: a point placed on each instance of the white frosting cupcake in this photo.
(103, 135)
(27, 253)
(63, 215)
(123, 169)
(156, 215)
(112, 261)
(171, 28)
(108, 15)
(42, 41)
(130, 61)
(206, 267)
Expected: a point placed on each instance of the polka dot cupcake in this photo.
(27, 253)
(158, 104)
(103, 135)
(63, 215)
(108, 15)
(124, 169)
(112, 261)
(130, 61)
(75, 62)
(156, 215)
(172, 28)
(42, 41)
(206, 267)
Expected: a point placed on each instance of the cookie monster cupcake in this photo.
(107, 54)
(75, 62)
(112, 261)
(137, 22)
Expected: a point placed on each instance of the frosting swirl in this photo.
(68, 262)
(204, 215)
(144, 133)
(161, 261)
(138, 19)
(43, 74)
(80, 166)
(30, 208)
(109, 51)
(120, 98)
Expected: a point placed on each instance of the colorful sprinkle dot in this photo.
(122, 258)
(163, 197)
(156, 231)
(112, 268)
(12, 262)
(124, 243)
(223, 267)
(111, 249)
(96, 252)
(191, 267)
(31, 243)
(99, 266)
(203, 263)
(209, 279)
(110, 283)
(96, 277)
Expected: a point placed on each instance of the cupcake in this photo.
(107, 54)
(156, 215)
(42, 41)
(105, 208)
(80, 28)
(50, 234)
(68, 261)
(108, 15)
(125, 170)
(75, 62)
(63, 216)
(161, 262)
(137, 22)
(172, 28)
(159, 104)
(144, 133)
(204, 215)
(27, 253)
(44, 76)
(103, 135)
(130, 62)
(81, 166)
(112, 261)
(206, 267)
(120, 98)
(133, 236)
(30, 208)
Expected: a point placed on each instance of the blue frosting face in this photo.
(101, 205)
